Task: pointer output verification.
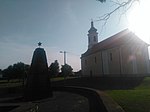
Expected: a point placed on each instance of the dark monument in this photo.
(38, 81)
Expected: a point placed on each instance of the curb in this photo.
(98, 100)
(109, 103)
(95, 102)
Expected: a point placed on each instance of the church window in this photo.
(95, 59)
(85, 62)
(91, 73)
(110, 56)
(94, 38)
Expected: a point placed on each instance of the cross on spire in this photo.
(92, 23)
(39, 44)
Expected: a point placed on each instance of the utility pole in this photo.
(64, 52)
(64, 56)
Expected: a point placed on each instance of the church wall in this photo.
(127, 58)
(114, 61)
(92, 65)
(105, 62)
(147, 59)
(96, 64)
(135, 59)
(85, 66)
(141, 52)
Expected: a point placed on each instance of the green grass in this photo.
(8, 85)
(17, 82)
(11, 83)
(61, 78)
(144, 85)
(136, 100)
(57, 79)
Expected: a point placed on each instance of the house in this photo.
(123, 54)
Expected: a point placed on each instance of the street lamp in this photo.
(64, 56)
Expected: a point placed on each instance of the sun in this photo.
(139, 20)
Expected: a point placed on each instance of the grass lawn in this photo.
(136, 100)
(17, 82)
(61, 78)
(11, 83)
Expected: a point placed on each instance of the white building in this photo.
(123, 54)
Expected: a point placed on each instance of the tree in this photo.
(54, 69)
(66, 70)
(16, 71)
(119, 4)
(26, 70)
(7, 73)
(0, 73)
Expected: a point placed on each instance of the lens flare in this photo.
(139, 20)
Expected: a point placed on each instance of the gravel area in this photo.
(64, 102)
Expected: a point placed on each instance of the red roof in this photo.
(116, 40)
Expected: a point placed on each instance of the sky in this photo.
(61, 25)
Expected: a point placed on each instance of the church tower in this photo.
(92, 36)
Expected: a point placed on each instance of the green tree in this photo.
(7, 73)
(16, 71)
(1, 74)
(0, 71)
(54, 69)
(66, 70)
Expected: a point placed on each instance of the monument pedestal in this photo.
(38, 81)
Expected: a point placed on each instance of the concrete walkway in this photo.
(64, 102)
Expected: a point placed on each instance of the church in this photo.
(123, 54)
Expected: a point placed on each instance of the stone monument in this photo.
(38, 81)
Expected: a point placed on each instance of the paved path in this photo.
(64, 102)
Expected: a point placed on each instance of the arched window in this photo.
(95, 59)
(94, 38)
(110, 56)
(89, 40)
(85, 62)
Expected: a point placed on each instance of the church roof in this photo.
(116, 40)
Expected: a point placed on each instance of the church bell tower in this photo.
(92, 36)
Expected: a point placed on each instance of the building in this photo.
(123, 54)
(1, 74)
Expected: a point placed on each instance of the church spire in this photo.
(92, 36)
(92, 25)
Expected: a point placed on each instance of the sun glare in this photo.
(139, 20)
